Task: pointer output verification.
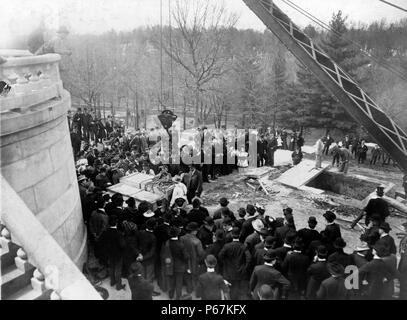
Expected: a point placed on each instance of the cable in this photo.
(393, 5)
(384, 64)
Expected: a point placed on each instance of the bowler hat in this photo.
(192, 226)
(381, 250)
(269, 241)
(329, 215)
(335, 269)
(223, 201)
(260, 209)
(322, 251)
(269, 255)
(151, 223)
(287, 210)
(312, 220)
(385, 227)
(174, 232)
(209, 221)
(339, 243)
(130, 201)
(250, 209)
(210, 261)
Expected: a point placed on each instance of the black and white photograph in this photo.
(224, 151)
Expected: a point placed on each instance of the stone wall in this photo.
(37, 161)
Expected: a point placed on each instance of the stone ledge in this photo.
(14, 122)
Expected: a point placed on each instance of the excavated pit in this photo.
(350, 186)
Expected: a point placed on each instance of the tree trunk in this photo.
(196, 116)
(185, 112)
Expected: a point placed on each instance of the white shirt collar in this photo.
(210, 269)
(115, 227)
(286, 245)
(269, 264)
(319, 259)
(174, 238)
(236, 240)
(383, 235)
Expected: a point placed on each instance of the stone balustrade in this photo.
(33, 79)
(55, 270)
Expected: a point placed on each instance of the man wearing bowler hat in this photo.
(317, 272)
(247, 227)
(334, 288)
(267, 274)
(386, 239)
(377, 274)
(332, 230)
(195, 254)
(175, 258)
(309, 234)
(235, 260)
(339, 256)
(211, 285)
(223, 202)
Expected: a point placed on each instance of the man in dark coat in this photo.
(141, 289)
(295, 266)
(267, 274)
(386, 239)
(113, 243)
(332, 230)
(235, 260)
(281, 252)
(211, 285)
(198, 213)
(77, 121)
(402, 267)
(223, 204)
(377, 274)
(195, 184)
(147, 245)
(195, 254)
(76, 142)
(377, 206)
(317, 272)
(247, 227)
(334, 288)
(309, 234)
(86, 122)
(262, 248)
(205, 233)
(175, 262)
(339, 256)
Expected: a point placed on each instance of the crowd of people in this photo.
(244, 255)
(222, 254)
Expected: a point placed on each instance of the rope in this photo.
(161, 54)
(171, 62)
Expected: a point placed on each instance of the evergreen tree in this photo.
(323, 110)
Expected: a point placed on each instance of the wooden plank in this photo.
(312, 190)
(301, 174)
(139, 180)
(124, 189)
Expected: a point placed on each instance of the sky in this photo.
(18, 17)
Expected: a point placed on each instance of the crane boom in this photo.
(356, 102)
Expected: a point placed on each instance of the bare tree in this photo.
(198, 44)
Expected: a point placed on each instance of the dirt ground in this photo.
(304, 204)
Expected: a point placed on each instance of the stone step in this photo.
(8, 253)
(26, 293)
(13, 280)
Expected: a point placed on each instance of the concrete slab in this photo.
(301, 174)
